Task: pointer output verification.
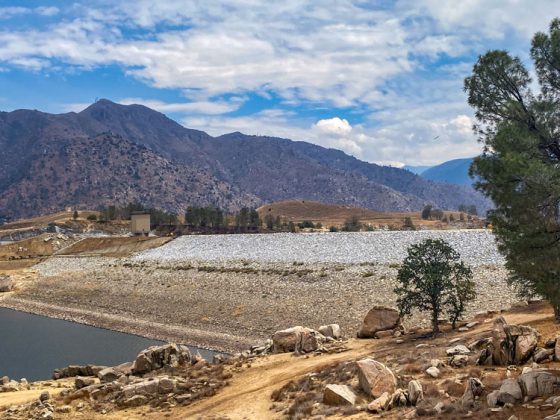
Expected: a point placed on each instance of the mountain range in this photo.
(114, 154)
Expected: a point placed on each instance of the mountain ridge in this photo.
(236, 169)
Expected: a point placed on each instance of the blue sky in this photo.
(380, 80)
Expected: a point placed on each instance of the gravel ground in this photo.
(477, 247)
(226, 306)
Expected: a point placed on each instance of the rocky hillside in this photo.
(112, 153)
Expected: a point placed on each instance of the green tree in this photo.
(75, 215)
(518, 168)
(427, 212)
(92, 217)
(432, 278)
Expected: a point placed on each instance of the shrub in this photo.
(92, 217)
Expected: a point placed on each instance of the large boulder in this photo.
(375, 378)
(538, 383)
(510, 344)
(300, 339)
(557, 349)
(510, 392)
(339, 395)
(108, 375)
(379, 318)
(157, 357)
(523, 341)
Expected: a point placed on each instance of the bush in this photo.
(432, 278)
(333, 229)
(352, 224)
(92, 217)
(408, 224)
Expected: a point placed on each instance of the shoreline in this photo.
(218, 342)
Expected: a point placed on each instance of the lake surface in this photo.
(32, 346)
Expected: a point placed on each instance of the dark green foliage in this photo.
(432, 278)
(352, 224)
(75, 215)
(518, 169)
(306, 224)
(204, 217)
(472, 210)
(426, 212)
(333, 229)
(92, 217)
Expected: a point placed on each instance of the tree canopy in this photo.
(432, 278)
(519, 167)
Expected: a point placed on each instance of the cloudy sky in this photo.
(381, 80)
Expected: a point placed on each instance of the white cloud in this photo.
(338, 55)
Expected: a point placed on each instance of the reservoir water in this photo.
(32, 346)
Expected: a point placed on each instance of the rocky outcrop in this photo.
(531, 384)
(297, 339)
(510, 344)
(156, 357)
(77, 370)
(339, 395)
(378, 319)
(375, 378)
(415, 392)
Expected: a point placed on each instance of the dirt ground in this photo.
(113, 246)
(248, 396)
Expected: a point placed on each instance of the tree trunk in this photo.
(556, 312)
(435, 324)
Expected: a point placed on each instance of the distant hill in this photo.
(114, 154)
(453, 172)
(418, 170)
(335, 215)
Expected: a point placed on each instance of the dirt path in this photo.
(21, 397)
(248, 396)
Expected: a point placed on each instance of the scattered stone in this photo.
(331, 330)
(415, 392)
(339, 395)
(380, 404)
(379, 318)
(550, 343)
(458, 349)
(82, 381)
(108, 375)
(473, 389)
(375, 378)
(472, 324)
(434, 372)
(543, 355)
(557, 349)
(136, 401)
(44, 396)
(455, 340)
(459, 360)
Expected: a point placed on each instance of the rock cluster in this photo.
(302, 340)
(533, 383)
(9, 385)
(379, 383)
(510, 344)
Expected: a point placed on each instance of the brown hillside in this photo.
(335, 215)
